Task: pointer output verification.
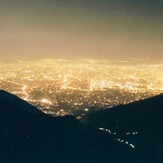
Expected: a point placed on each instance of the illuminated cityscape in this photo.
(59, 86)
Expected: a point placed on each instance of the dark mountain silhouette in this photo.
(29, 136)
(140, 122)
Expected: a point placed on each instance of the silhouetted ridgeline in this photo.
(29, 136)
(140, 123)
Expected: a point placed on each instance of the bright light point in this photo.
(101, 129)
(44, 100)
(132, 145)
(46, 77)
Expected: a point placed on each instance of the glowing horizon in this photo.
(76, 29)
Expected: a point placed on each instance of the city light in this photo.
(59, 86)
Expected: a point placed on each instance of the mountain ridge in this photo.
(30, 136)
(132, 108)
(35, 137)
(139, 122)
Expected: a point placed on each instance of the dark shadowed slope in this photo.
(139, 122)
(129, 117)
(30, 136)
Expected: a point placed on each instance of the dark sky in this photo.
(35, 29)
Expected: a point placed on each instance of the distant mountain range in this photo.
(29, 136)
(140, 123)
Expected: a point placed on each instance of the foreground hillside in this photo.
(140, 123)
(29, 136)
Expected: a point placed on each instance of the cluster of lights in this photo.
(68, 85)
(118, 139)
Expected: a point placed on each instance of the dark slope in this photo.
(144, 117)
(129, 117)
(30, 136)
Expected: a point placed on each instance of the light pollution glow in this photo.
(60, 86)
(106, 29)
(68, 29)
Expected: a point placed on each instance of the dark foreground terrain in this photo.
(29, 136)
(140, 123)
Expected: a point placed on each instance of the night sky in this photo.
(36, 29)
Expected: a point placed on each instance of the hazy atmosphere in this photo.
(36, 29)
(81, 81)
